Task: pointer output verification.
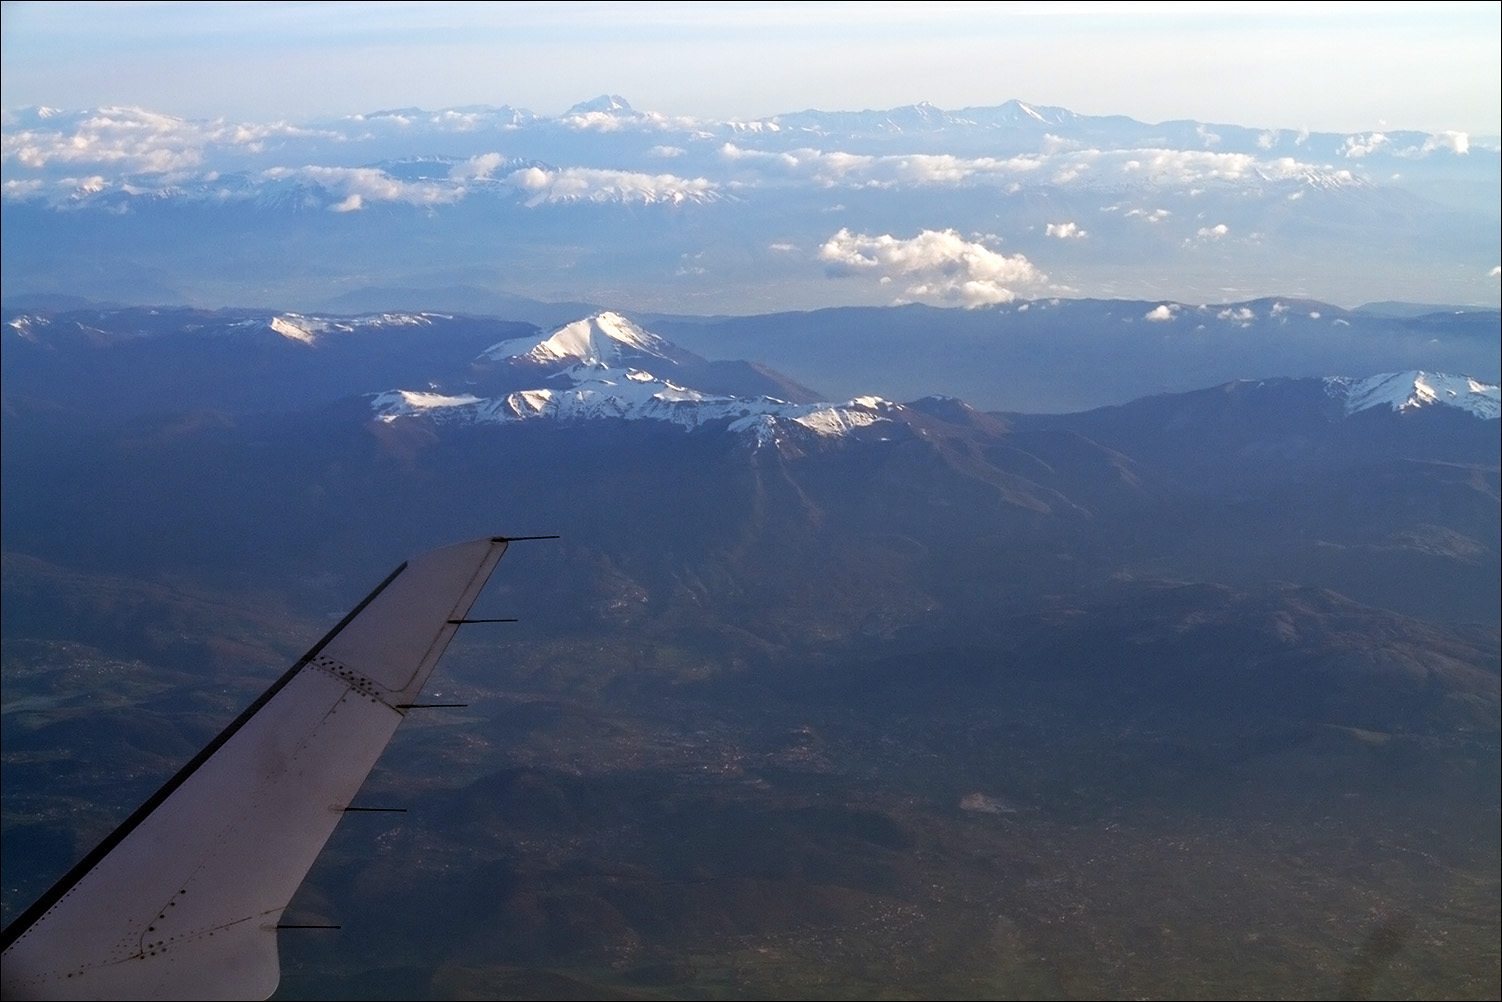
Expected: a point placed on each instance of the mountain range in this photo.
(1187, 692)
(1032, 356)
(457, 402)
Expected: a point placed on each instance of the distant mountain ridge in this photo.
(605, 366)
(1031, 356)
(646, 210)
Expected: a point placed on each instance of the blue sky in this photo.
(1335, 67)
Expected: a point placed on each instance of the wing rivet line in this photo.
(360, 683)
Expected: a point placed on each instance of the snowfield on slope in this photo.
(1410, 391)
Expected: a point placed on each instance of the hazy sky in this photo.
(1336, 67)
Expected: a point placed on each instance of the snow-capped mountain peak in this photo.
(602, 339)
(606, 103)
(598, 368)
(1414, 390)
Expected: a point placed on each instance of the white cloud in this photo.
(137, 141)
(783, 248)
(1455, 142)
(1267, 140)
(615, 121)
(1178, 167)
(121, 142)
(597, 121)
(1360, 146)
(1212, 232)
(1458, 143)
(589, 184)
(836, 167)
(1496, 271)
(477, 167)
(1244, 315)
(1148, 215)
(1182, 168)
(447, 120)
(929, 168)
(1065, 231)
(23, 189)
(360, 185)
(1161, 313)
(937, 264)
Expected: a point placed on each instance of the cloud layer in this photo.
(1104, 204)
(572, 184)
(46, 154)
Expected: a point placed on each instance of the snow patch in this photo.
(395, 403)
(630, 394)
(1411, 391)
(297, 327)
(300, 330)
(834, 420)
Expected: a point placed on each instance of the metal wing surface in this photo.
(182, 901)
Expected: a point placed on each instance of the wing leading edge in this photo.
(182, 901)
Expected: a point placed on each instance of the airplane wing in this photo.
(182, 901)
